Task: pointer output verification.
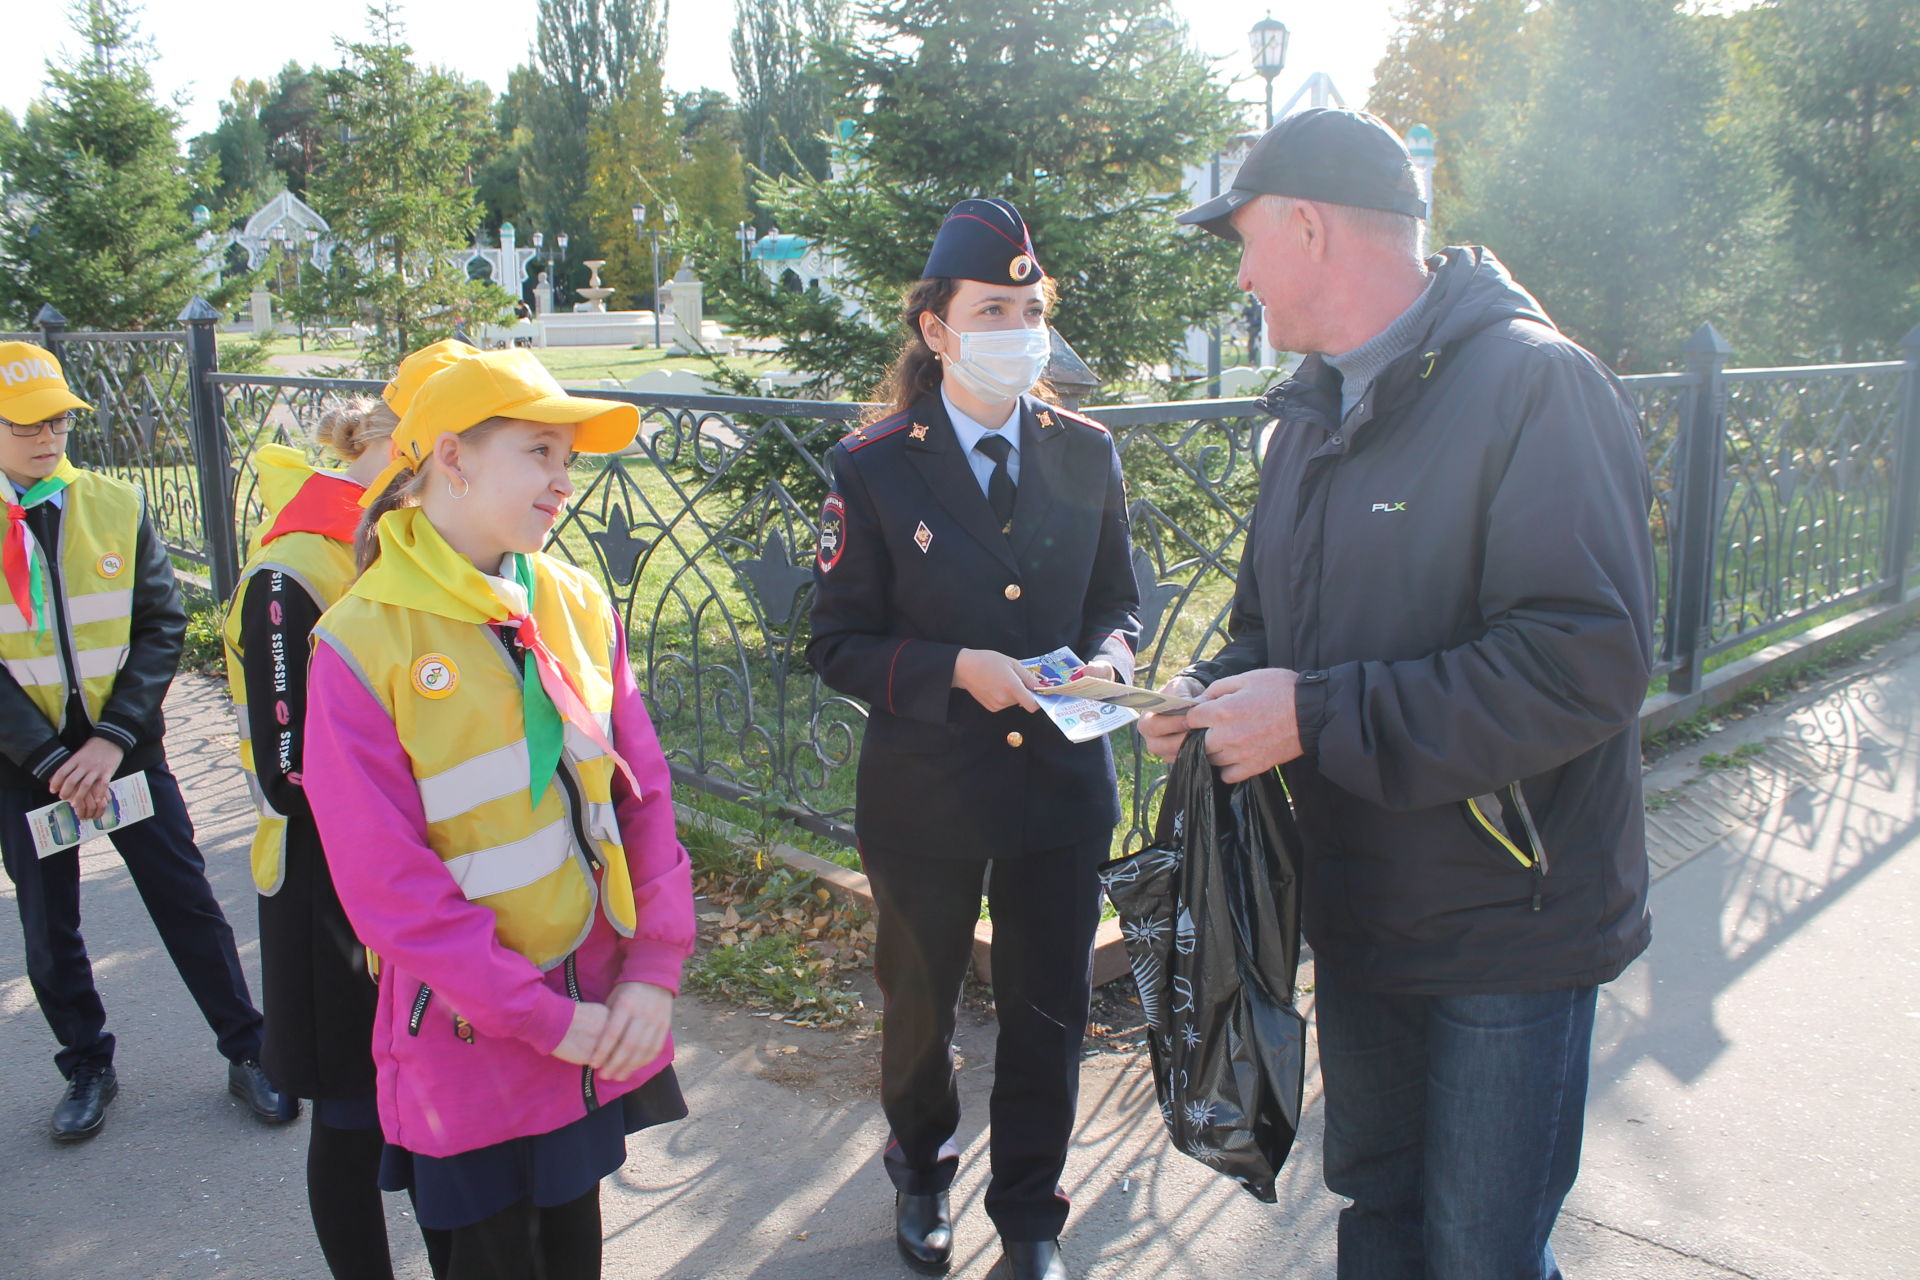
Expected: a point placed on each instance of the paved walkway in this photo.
(1754, 1112)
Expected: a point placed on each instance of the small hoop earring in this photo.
(466, 487)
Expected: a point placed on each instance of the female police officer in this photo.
(969, 527)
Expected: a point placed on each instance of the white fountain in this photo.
(590, 324)
(595, 294)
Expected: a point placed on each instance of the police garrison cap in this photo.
(984, 240)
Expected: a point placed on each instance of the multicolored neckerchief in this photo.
(417, 569)
(22, 558)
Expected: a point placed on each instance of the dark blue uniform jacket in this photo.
(912, 569)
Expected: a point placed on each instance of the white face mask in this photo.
(1000, 364)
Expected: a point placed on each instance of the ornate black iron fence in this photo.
(1779, 494)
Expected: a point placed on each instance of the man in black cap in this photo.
(1441, 633)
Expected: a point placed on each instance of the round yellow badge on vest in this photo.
(111, 565)
(435, 676)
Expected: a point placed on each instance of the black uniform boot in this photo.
(1031, 1260)
(923, 1228)
(84, 1107)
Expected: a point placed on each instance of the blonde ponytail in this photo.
(348, 427)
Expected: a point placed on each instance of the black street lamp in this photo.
(1268, 40)
(346, 131)
(279, 237)
(540, 250)
(747, 236)
(652, 237)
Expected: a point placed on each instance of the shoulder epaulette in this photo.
(1083, 420)
(861, 437)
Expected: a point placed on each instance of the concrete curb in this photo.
(1664, 710)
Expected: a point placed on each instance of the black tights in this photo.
(522, 1242)
(343, 1193)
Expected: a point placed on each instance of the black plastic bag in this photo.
(1211, 915)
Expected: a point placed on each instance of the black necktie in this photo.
(1000, 484)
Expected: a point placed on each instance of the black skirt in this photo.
(317, 997)
(550, 1169)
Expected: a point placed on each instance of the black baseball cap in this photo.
(1322, 153)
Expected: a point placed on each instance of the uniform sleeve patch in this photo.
(833, 532)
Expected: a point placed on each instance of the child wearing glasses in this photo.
(90, 634)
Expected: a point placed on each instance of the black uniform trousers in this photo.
(1045, 906)
(171, 877)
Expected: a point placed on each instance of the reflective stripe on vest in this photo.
(98, 607)
(93, 664)
(99, 538)
(519, 863)
(323, 569)
(463, 737)
(494, 774)
(244, 730)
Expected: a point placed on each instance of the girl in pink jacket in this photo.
(528, 901)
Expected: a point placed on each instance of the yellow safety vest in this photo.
(99, 537)
(324, 569)
(444, 676)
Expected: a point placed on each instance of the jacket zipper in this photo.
(576, 810)
(1526, 820)
(1533, 838)
(1537, 863)
(587, 1093)
(420, 1001)
(1486, 824)
(577, 813)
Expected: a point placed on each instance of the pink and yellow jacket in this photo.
(465, 1028)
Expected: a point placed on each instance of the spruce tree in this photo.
(1847, 76)
(399, 141)
(95, 218)
(1081, 112)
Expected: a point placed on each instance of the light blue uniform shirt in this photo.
(970, 433)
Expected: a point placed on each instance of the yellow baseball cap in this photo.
(32, 388)
(499, 384)
(418, 367)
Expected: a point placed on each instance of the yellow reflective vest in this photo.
(99, 535)
(441, 671)
(324, 569)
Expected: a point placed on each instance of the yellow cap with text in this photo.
(32, 388)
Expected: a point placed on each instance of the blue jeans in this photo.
(1453, 1124)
